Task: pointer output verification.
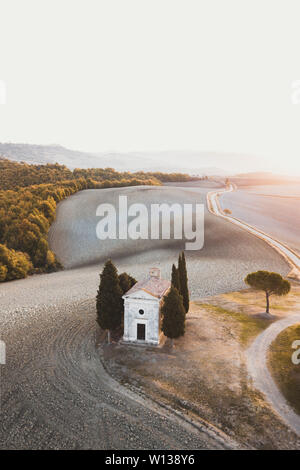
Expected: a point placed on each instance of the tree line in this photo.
(29, 195)
(20, 174)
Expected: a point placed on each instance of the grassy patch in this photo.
(256, 300)
(285, 373)
(248, 326)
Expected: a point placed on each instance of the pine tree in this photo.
(269, 282)
(109, 299)
(175, 278)
(183, 281)
(173, 324)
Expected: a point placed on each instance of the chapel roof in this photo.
(153, 285)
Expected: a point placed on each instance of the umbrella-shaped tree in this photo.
(270, 283)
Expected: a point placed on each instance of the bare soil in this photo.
(205, 375)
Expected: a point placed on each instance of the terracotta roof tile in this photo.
(152, 285)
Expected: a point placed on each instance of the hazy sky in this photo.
(124, 75)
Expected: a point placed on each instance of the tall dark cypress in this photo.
(183, 281)
(126, 282)
(175, 278)
(173, 324)
(109, 299)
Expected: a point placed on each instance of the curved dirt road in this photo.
(228, 255)
(291, 256)
(262, 379)
(257, 353)
(54, 391)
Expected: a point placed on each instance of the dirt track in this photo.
(257, 353)
(229, 253)
(54, 392)
(257, 366)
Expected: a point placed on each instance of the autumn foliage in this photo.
(29, 195)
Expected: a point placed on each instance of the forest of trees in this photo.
(28, 198)
(20, 175)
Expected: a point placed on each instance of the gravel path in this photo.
(257, 366)
(54, 391)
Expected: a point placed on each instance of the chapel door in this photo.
(141, 331)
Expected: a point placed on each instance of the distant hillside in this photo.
(256, 174)
(262, 178)
(166, 161)
(42, 154)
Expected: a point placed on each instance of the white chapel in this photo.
(142, 309)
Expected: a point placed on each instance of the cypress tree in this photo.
(126, 282)
(109, 299)
(175, 278)
(173, 324)
(183, 281)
